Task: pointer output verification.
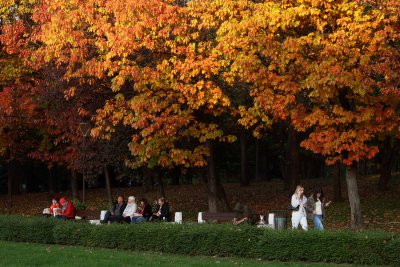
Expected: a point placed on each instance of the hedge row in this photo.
(367, 247)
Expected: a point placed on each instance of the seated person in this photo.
(68, 210)
(53, 210)
(154, 210)
(144, 212)
(243, 214)
(115, 214)
(129, 210)
(163, 212)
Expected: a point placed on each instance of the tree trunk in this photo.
(294, 156)
(217, 200)
(175, 175)
(74, 185)
(51, 179)
(388, 159)
(15, 170)
(10, 189)
(160, 184)
(261, 161)
(336, 183)
(354, 198)
(108, 185)
(244, 177)
(148, 180)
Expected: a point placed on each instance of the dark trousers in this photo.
(112, 218)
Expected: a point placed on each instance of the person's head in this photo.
(63, 201)
(120, 199)
(299, 190)
(318, 193)
(143, 202)
(161, 201)
(131, 199)
(54, 201)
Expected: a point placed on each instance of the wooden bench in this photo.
(218, 216)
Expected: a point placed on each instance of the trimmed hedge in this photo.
(366, 247)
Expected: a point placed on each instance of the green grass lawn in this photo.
(28, 254)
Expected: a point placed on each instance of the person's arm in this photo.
(295, 202)
(164, 210)
(126, 211)
(69, 212)
(113, 208)
(138, 213)
(310, 206)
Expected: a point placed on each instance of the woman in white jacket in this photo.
(130, 209)
(299, 215)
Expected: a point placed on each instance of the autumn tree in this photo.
(153, 60)
(312, 62)
(17, 88)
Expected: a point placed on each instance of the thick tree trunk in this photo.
(217, 200)
(336, 183)
(354, 198)
(284, 166)
(74, 185)
(108, 185)
(386, 165)
(244, 177)
(294, 156)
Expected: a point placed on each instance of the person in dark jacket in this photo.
(144, 212)
(316, 208)
(163, 212)
(115, 214)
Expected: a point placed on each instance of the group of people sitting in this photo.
(61, 208)
(131, 212)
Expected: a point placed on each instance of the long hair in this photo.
(316, 191)
(144, 200)
(298, 188)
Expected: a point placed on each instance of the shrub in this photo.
(25, 229)
(366, 247)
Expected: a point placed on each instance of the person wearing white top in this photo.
(316, 208)
(130, 209)
(300, 215)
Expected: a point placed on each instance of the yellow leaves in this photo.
(70, 92)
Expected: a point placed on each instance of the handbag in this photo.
(291, 208)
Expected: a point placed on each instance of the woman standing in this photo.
(299, 214)
(315, 208)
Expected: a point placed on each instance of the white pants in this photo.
(299, 217)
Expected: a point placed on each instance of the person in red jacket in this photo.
(68, 210)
